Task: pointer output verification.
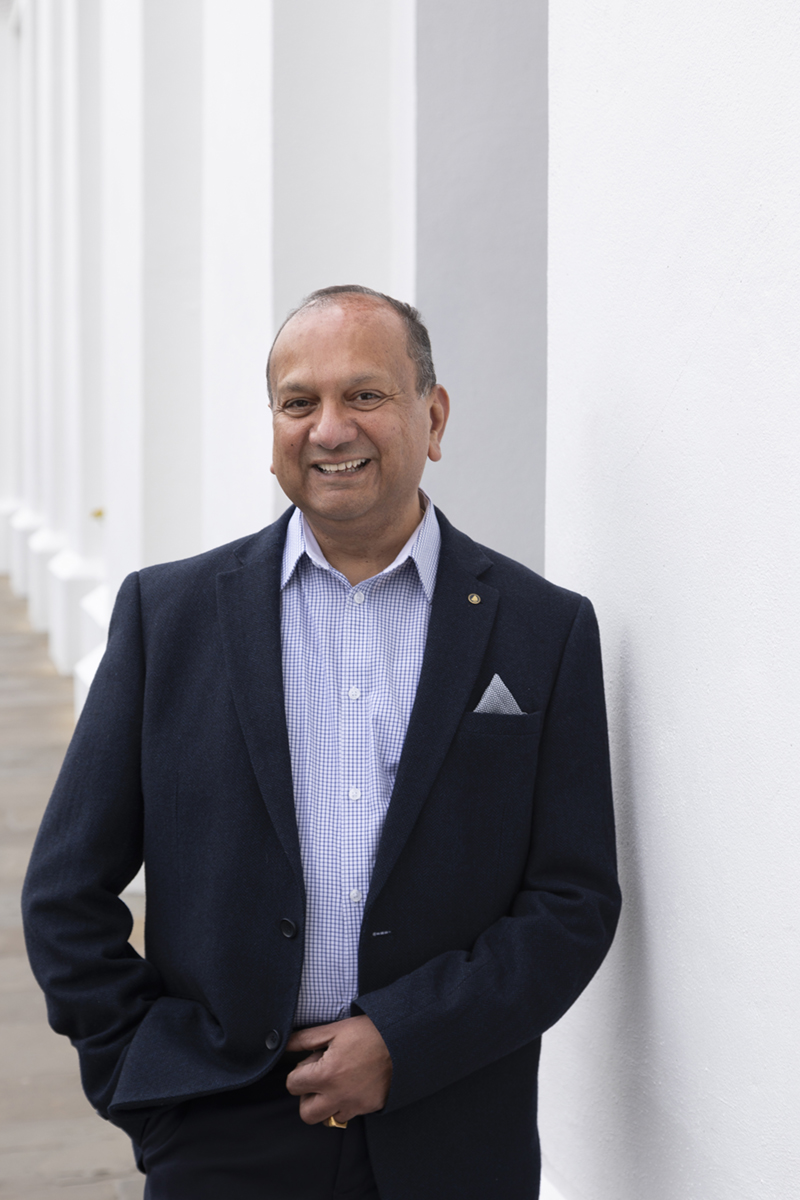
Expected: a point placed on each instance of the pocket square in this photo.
(498, 699)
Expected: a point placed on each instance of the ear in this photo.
(439, 409)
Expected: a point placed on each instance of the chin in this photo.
(340, 507)
(338, 512)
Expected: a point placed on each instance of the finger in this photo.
(317, 1107)
(315, 1038)
(305, 1077)
(312, 1057)
(313, 1108)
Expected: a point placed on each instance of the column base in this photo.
(7, 510)
(70, 577)
(22, 524)
(43, 546)
(95, 614)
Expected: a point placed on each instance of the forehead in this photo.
(337, 335)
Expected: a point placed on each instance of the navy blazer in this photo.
(494, 890)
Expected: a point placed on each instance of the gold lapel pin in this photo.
(474, 598)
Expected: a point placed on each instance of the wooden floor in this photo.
(51, 1142)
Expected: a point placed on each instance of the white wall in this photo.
(672, 501)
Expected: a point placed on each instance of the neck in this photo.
(359, 553)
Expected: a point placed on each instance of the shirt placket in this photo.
(354, 781)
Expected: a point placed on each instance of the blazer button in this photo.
(288, 928)
(273, 1039)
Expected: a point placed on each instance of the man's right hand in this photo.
(347, 1073)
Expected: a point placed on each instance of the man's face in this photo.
(351, 435)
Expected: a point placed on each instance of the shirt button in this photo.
(358, 598)
(355, 895)
(354, 793)
(354, 693)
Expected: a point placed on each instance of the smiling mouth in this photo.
(348, 468)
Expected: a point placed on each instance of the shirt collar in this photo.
(423, 547)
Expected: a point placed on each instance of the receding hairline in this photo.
(343, 300)
(417, 340)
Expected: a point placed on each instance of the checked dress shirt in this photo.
(351, 663)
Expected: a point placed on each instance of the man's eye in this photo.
(368, 398)
(300, 404)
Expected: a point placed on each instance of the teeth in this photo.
(329, 468)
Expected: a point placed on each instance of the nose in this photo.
(334, 425)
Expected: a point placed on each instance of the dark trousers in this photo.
(251, 1145)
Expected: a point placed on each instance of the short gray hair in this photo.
(418, 338)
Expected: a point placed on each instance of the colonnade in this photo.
(177, 175)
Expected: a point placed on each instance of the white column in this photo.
(403, 145)
(333, 144)
(77, 568)
(27, 517)
(45, 543)
(172, 279)
(115, 370)
(673, 443)
(237, 495)
(121, 106)
(86, 530)
(151, 271)
(481, 259)
(9, 279)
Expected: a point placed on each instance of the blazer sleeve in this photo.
(465, 1009)
(88, 849)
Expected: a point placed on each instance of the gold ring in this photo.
(332, 1123)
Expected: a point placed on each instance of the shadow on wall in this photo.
(635, 1130)
(599, 1072)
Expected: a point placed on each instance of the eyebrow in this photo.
(292, 385)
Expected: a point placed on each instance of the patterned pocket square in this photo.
(498, 699)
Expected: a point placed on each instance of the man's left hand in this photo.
(347, 1073)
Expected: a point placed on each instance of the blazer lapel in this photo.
(249, 609)
(458, 634)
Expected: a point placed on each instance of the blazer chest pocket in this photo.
(493, 769)
(495, 750)
(500, 724)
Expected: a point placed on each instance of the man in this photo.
(365, 761)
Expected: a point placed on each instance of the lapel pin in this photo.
(474, 598)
